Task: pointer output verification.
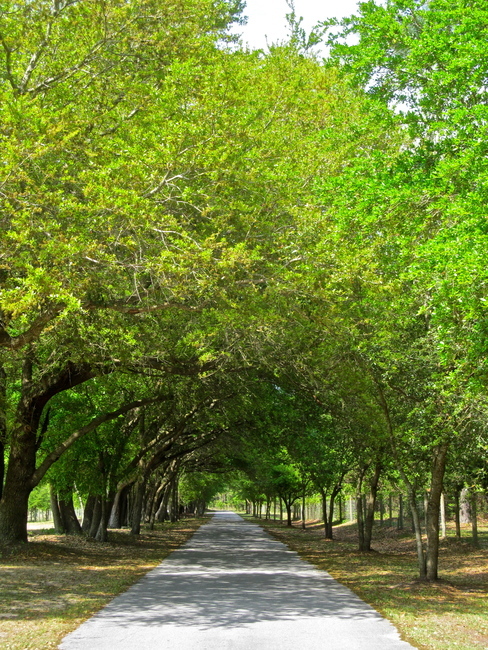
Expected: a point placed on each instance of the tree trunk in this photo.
(162, 512)
(88, 514)
(116, 519)
(390, 510)
(418, 532)
(330, 523)
(57, 517)
(68, 515)
(474, 517)
(105, 511)
(360, 520)
(370, 508)
(400, 512)
(323, 496)
(433, 508)
(21, 476)
(443, 516)
(465, 510)
(96, 517)
(174, 514)
(288, 506)
(155, 504)
(136, 514)
(14, 505)
(303, 509)
(457, 517)
(3, 424)
(426, 506)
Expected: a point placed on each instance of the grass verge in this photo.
(51, 585)
(451, 614)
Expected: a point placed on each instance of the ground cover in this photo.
(449, 615)
(51, 585)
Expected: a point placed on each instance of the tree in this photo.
(145, 176)
(424, 207)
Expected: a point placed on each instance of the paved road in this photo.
(233, 587)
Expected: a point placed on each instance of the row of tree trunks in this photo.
(64, 515)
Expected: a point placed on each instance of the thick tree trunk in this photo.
(13, 515)
(162, 513)
(136, 514)
(14, 505)
(21, 476)
(116, 515)
(68, 515)
(433, 508)
(400, 512)
(360, 511)
(106, 509)
(96, 517)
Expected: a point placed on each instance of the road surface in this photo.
(233, 587)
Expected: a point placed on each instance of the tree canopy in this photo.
(216, 260)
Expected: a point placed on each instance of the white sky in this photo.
(266, 18)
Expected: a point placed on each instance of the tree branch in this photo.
(33, 332)
(8, 64)
(79, 433)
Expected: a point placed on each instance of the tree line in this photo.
(205, 248)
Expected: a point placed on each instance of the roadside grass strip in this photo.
(451, 614)
(49, 586)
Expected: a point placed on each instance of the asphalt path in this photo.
(233, 587)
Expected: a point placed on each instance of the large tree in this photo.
(147, 173)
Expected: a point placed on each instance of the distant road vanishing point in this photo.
(233, 587)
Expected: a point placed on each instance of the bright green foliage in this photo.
(430, 61)
(39, 498)
(200, 486)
